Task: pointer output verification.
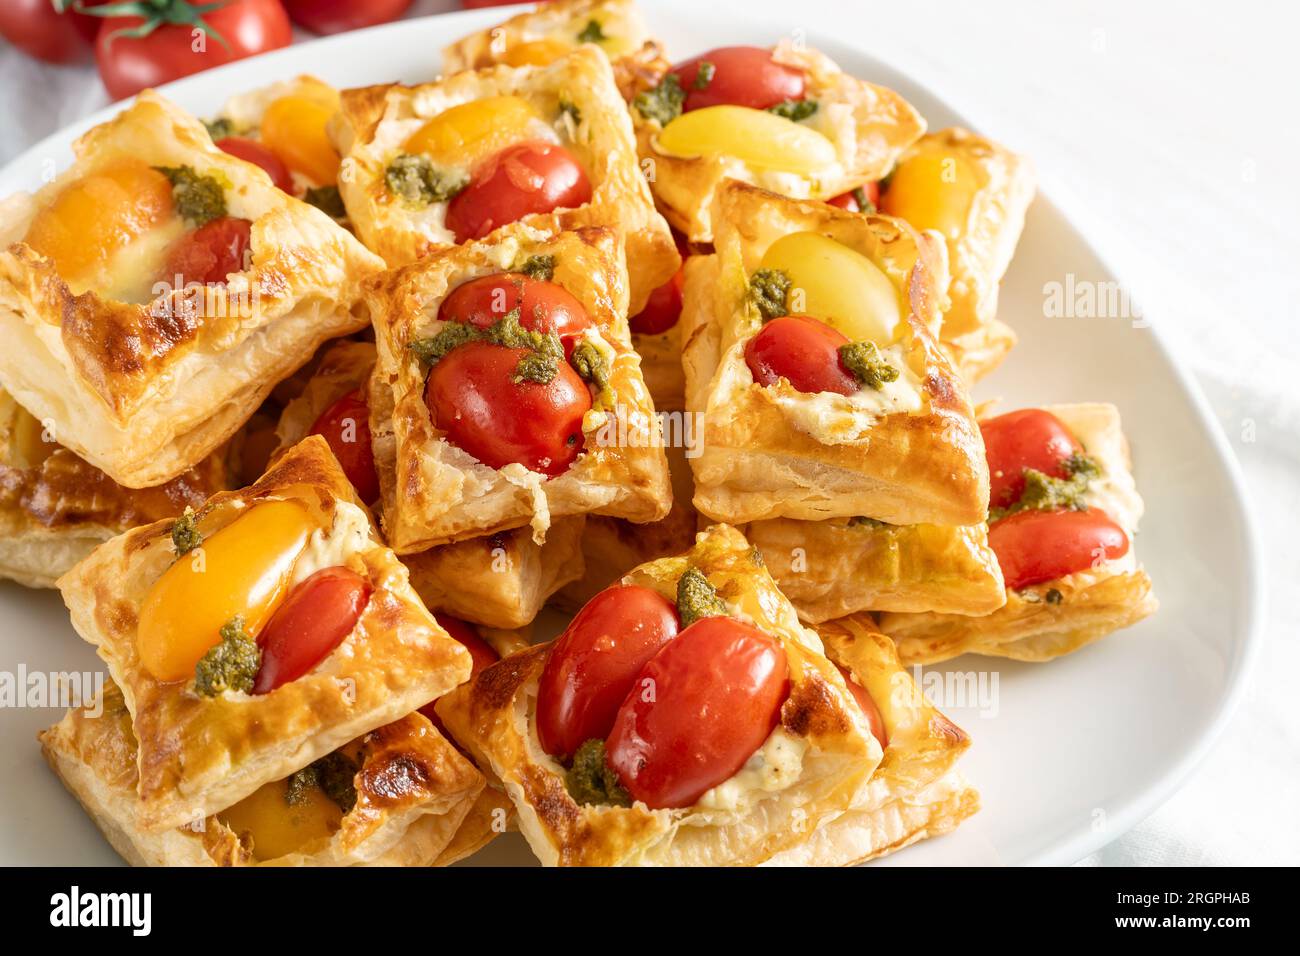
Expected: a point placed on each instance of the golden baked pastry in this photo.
(55, 508)
(412, 791)
(205, 741)
(915, 792)
(854, 136)
(142, 378)
(1045, 620)
(448, 495)
(907, 451)
(462, 122)
(821, 730)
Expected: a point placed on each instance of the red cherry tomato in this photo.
(868, 705)
(473, 397)
(592, 666)
(345, 426)
(1029, 438)
(338, 16)
(718, 690)
(210, 253)
(521, 180)
(129, 64)
(49, 30)
(313, 620)
(1037, 546)
(742, 76)
(478, 4)
(543, 306)
(482, 655)
(803, 351)
(662, 309)
(850, 202)
(251, 151)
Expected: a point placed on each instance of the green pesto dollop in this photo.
(419, 182)
(592, 33)
(662, 103)
(220, 128)
(590, 780)
(326, 199)
(860, 197)
(199, 199)
(541, 365)
(768, 291)
(185, 532)
(794, 110)
(592, 367)
(871, 524)
(567, 106)
(334, 774)
(230, 665)
(1044, 492)
(697, 598)
(864, 360)
(541, 268)
(704, 75)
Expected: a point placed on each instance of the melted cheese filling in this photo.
(134, 273)
(348, 534)
(774, 766)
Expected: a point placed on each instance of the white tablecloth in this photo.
(1167, 131)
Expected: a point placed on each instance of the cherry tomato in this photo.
(718, 690)
(251, 151)
(129, 64)
(1029, 438)
(1037, 546)
(662, 309)
(48, 29)
(482, 655)
(477, 4)
(339, 16)
(850, 202)
(210, 253)
(592, 666)
(313, 620)
(345, 426)
(543, 306)
(868, 705)
(803, 351)
(521, 180)
(742, 76)
(473, 397)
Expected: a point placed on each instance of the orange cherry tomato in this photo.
(849, 200)
(868, 705)
(662, 309)
(482, 656)
(543, 306)
(718, 690)
(742, 76)
(345, 426)
(803, 351)
(1037, 546)
(210, 253)
(313, 620)
(251, 151)
(1028, 438)
(474, 398)
(593, 665)
(522, 180)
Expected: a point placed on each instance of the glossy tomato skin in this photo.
(592, 666)
(210, 253)
(742, 76)
(313, 620)
(521, 180)
(338, 16)
(543, 306)
(1037, 546)
(803, 351)
(718, 691)
(482, 655)
(39, 30)
(251, 151)
(850, 202)
(129, 64)
(662, 309)
(1028, 438)
(868, 705)
(345, 426)
(472, 396)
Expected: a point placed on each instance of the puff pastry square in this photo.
(145, 389)
(1044, 621)
(916, 792)
(910, 454)
(200, 754)
(376, 121)
(414, 792)
(869, 126)
(434, 492)
(493, 716)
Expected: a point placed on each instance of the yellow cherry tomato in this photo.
(96, 217)
(241, 570)
(278, 827)
(535, 52)
(473, 131)
(833, 283)
(760, 139)
(293, 127)
(932, 191)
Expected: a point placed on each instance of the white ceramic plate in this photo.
(1067, 755)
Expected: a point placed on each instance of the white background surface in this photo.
(1167, 131)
